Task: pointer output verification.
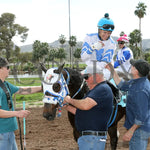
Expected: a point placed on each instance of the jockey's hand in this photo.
(98, 45)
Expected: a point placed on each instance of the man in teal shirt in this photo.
(8, 122)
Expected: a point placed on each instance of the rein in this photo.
(66, 83)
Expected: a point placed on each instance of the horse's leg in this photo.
(71, 118)
(112, 130)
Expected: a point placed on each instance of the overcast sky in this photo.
(48, 19)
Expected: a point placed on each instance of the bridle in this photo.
(59, 98)
(67, 89)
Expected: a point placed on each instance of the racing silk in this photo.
(101, 56)
(88, 55)
(122, 62)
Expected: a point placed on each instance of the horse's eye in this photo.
(56, 87)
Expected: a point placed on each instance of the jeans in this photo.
(139, 140)
(7, 141)
(92, 142)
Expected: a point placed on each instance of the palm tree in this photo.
(122, 33)
(135, 38)
(72, 43)
(140, 12)
(62, 39)
(60, 54)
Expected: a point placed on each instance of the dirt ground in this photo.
(55, 135)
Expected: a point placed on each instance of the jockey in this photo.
(122, 63)
(99, 47)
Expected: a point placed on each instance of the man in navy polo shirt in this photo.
(92, 113)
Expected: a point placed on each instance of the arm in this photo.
(126, 56)
(70, 109)
(29, 90)
(128, 135)
(90, 44)
(84, 104)
(115, 76)
(9, 114)
(86, 52)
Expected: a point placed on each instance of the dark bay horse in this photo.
(77, 88)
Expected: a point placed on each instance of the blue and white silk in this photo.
(102, 55)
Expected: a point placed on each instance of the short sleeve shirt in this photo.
(7, 124)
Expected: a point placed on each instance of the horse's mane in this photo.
(75, 82)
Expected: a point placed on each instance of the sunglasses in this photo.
(108, 26)
(121, 42)
(7, 67)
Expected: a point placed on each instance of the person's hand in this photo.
(127, 136)
(23, 113)
(110, 67)
(98, 45)
(67, 99)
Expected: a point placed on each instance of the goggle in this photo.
(121, 42)
(108, 26)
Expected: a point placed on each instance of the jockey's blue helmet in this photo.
(106, 23)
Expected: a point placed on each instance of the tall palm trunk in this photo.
(141, 51)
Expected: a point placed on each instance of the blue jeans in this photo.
(92, 142)
(139, 140)
(7, 141)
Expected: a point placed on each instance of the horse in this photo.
(76, 86)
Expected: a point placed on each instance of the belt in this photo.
(96, 133)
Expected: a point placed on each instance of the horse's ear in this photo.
(59, 70)
(85, 76)
(43, 67)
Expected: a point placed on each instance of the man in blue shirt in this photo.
(92, 113)
(8, 121)
(138, 104)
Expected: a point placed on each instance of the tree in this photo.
(140, 12)
(135, 38)
(122, 33)
(51, 56)
(8, 30)
(60, 54)
(62, 39)
(72, 43)
(40, 50)
(147, 57)
(77, 53)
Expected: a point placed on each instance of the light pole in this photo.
(69, 29)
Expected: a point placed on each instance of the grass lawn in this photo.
(31, 99)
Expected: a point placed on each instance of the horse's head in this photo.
(59, 82)
(54, 89)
